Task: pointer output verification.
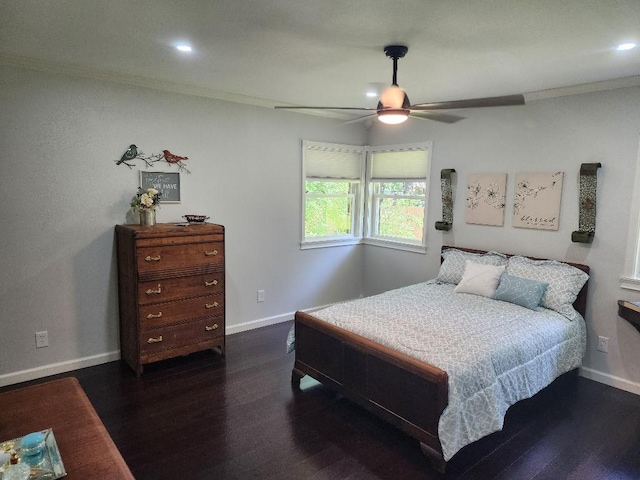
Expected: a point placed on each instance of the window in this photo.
(397, 200)
(396, 185)
(332, 199)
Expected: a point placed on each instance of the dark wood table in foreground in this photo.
(85, 446)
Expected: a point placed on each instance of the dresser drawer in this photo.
(169, 289)
(176, 336)
(159, 314)
(167, 257)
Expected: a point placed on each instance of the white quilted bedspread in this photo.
(495, 353)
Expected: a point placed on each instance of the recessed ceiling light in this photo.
(626, 46)
(184, 48)
(374, 88)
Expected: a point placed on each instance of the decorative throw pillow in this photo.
(480, 279)
(520, 291)
(565, 281)
(453, 264)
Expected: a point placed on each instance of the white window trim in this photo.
(630, 279)
(389, 242)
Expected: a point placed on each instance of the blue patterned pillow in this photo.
(520, 291)
(565, 281)
(455, 261)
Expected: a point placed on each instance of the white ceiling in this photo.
(326, 52)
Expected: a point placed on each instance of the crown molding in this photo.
(146, 82)
(193, 90)
(131, 80)
(613, 84)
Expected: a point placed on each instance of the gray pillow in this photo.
(565, 281)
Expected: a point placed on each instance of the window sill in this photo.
(407, 247)
(329, 243)
(630, 283)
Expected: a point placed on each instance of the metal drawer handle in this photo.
(212, 253)
(155, 258)
(156, 291)
(151, 315)
(211, 305)
(155, 340)
(209, 328)
(209, 284)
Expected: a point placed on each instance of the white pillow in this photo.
(453, 263)
(480, 279)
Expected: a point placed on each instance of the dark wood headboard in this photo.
(581, 300)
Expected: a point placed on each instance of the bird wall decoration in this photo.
(171, 158)
(132, 154)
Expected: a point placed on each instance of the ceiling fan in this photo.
(394, 106)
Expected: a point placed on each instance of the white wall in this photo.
(61, 195)
(545, 135)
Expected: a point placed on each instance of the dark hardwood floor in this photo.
(209, 417)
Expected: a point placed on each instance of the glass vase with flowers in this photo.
(146, 201)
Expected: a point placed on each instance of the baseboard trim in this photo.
(265, 322)
(259, 323)
(611, 380)
(78, 363)
(56, 368)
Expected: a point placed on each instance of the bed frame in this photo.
(406, 392)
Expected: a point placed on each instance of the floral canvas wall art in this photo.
(486, 198)
(536, 200)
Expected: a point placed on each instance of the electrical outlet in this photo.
(603, 344)
(42, 339)
(260, 296)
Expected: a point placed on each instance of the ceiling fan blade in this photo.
(437, 116)
(504, 101)
(360, 119)
(323, 108)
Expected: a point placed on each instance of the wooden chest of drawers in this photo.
(171, 291)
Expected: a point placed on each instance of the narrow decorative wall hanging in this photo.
(536, 200)
(486, 198)
(587, 215)
(133, 154)
(447, 200)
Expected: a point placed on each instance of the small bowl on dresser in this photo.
(195, 218)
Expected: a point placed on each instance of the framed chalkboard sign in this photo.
(168, 183)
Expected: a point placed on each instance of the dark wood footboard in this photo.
(405, 392)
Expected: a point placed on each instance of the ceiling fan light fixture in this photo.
(393, 117)
(394, 97)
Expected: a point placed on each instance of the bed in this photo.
(443, 362)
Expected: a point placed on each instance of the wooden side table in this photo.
(630, 311)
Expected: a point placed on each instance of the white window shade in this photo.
(327, 160)
(406, 164)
